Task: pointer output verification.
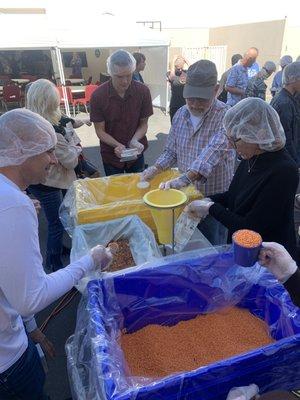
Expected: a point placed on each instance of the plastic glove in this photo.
(243, 393)
(149, 173)
(38, 337)
(177, 183)
(102, 256)
(135, 144)
(278, 261)
(199, 208)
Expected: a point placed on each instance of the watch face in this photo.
(97, 53)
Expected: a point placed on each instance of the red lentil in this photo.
(157, 351)
(247, 238)
(122, 255)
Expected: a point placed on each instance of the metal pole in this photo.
(173, 230)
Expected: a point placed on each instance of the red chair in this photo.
(89, 89)
(69, 98)
(11, 94)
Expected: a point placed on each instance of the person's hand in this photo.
(102, 256)
(277, 260)
(149, 173)
(199, 208)
(37, 205)
(135, 144)
(38, 337)
(119, 149)
(177, 183)
(243, 393)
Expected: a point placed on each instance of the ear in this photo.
(216, 88)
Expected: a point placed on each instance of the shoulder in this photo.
(220, 108)
(12, 198)
(285, 168)
(101, 91)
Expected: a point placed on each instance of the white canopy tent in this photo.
(35, 32)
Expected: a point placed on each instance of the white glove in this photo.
(177, 183)
(101, 256)
(149, 173)
(243, 392)
(135, 144)
(277, 260)
(199, 208)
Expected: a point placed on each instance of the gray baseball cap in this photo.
(201, 80)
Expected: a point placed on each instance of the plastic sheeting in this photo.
(165, 292)
(103, 199)
(141, 241)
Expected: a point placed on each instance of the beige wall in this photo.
(291, 42)
(187, 37)
(266, 36)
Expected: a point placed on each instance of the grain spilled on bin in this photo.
(157, 351)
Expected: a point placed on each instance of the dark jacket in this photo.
(288, 109)
(292, 285)
(262, 199)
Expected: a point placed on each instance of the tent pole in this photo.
(62, 80)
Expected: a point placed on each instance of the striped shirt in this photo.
(205, 150)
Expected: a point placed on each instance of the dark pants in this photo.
(138, 166)
(51, 199)
(25, 379)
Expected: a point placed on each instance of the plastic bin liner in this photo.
(165, 292)
(141, 241)
(103, 199)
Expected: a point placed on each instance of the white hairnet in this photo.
(24, 134)
(291, 73)
(255, 121)
(285, 60)
(269, 66)
(120, 58)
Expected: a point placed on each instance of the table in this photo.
(20, 81)
(75, 80)
(77, 89)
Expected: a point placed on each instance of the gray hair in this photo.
(120, 58)
(255, 121)
(291, 73)
(43, 99)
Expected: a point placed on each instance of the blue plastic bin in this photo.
(180, 290)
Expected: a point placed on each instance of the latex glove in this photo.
(135, 144)
(119, 149)
(149, 173)
(277, 260)
(102, 256)
(38, 337)
(37, 205)
(243, 393)
(177, 183)
(199, 208)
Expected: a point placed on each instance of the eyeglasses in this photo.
(232, 141)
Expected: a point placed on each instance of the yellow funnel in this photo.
(163, 205)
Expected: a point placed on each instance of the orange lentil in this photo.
(247, 238)
(122, 255)
(156, 351)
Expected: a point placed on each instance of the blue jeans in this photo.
(51, 199)
(138, 166)
(213, 230)
(25, 379)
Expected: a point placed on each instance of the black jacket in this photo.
(262, 199)
(292, 285)
(288, 109)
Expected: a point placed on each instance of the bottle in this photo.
(184, 229)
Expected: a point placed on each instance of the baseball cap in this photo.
(285, 60)
(201, 79)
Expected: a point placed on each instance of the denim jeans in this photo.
(51, 199)
(138, 166)
(25, 379)
(213, 230)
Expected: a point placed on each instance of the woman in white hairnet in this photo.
(27, 143)
(261, 194)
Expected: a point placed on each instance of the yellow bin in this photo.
(164, 209)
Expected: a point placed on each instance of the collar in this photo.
(9, 182)
(113, 93)
(187, 112)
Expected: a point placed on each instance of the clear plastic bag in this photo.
(184, 229)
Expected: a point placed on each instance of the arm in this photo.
(221, 198)
(66, 153)
(222, 84)
(232, 82)
(286, 118)
(266, 207)
(234, 90)
(23, 281)
(103, 136)
(141, 130)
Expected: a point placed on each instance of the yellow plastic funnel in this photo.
(163, 205)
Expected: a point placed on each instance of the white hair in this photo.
(120, 58)
(43, 99)
(291, 73)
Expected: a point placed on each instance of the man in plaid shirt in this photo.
(197, 144)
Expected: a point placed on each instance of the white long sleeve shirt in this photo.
(25, 288)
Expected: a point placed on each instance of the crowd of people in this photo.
(240, 152)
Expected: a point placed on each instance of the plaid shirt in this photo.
(205, 150)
